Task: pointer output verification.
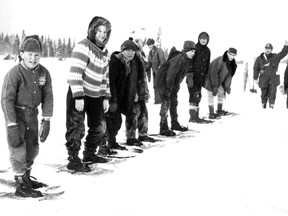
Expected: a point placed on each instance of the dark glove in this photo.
(44, 130)
(228, 90)
(113, 107)
(189, 80)
(215, 91)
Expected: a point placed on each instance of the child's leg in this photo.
(17, 147)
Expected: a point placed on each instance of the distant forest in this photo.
(59, 48)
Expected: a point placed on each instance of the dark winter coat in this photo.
(26, 88)
(117, 78)
(269, 64)
(156, 58)
(179, 66)
(201, 62)
(221, 71)
(286, 78)
(125, 85)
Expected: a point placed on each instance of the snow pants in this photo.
(220, 96)
(268, 92)
(23, 140)
(195, 94)
(157, 97)
(75, 127)
(170, 104)
(137, 118)
(114, 122)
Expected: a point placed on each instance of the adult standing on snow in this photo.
(25, 87)
(156, 58)
(89, 92)
(219, 79)
(196, 78)
(266, 68)
(178, 64)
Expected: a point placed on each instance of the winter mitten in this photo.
(228, 90)
(113, 107)
(44, 130)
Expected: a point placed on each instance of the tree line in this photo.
(9, 44)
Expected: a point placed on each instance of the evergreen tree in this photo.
(15, 50)
(69, 48)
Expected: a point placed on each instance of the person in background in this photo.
(27, 85)
(196, 78)
(88, 92)
(266, 69)
(179, 63)
(219, 80)
(156, 58)
(286, 84)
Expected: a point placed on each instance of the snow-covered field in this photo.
(237, 166)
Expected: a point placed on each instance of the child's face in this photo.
(190, 54)
(31, 59)
(203, 41)
(101, 33)
(128, 54)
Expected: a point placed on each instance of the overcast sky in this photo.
(246, 25)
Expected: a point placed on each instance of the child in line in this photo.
(26, 86)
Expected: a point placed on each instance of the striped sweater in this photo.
(89, 71)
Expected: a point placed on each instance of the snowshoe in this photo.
(23, 187)
(222, 113)
(105, 150)
(146, 139)
(167, 133)
(133, 142)
(76, 165)
(116, 146)
(93, 158)
(214, 116)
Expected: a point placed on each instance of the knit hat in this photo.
(232, 50)
(31, 43)
(128, 44)
(150, 41)
(189, 45)
(268, 46)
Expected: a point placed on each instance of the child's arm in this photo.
(8, 97)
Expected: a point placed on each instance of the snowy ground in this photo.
(236, 166)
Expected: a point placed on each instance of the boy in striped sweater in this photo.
(89, 93)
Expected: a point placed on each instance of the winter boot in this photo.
(264, 105)
(76, 164)
(116, 146)
(89, 156)
(146, 138)
(271, 106)
(212, 114)
(194, 117)
(176, 126)
(220, 110)
(23, 187)
(105, 150)
(133, 142)
(164, 130)
(34, 184)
